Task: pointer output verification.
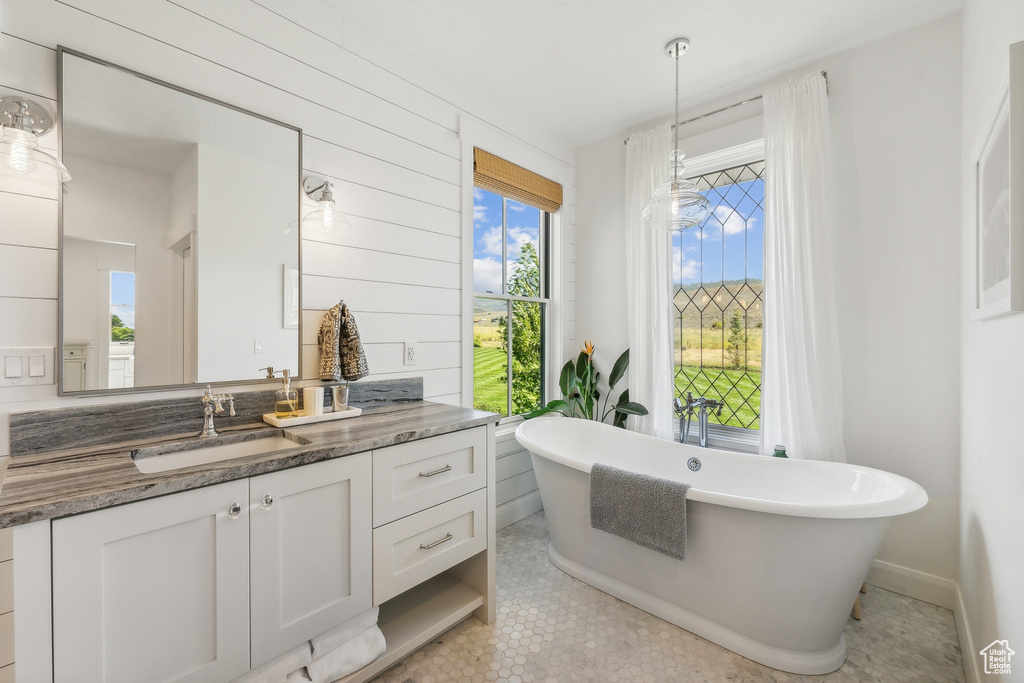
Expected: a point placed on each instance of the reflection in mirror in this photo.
(175, 263)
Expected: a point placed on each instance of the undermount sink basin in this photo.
(198, 451)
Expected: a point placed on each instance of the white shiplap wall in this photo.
(378, 123)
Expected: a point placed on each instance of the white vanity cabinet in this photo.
(203, 585)
(211, 582)
(155, 590)
(429, 509)
(309, 550)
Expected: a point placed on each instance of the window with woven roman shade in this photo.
(512, 209)
(515, 182)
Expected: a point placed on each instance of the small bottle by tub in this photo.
(780, 451)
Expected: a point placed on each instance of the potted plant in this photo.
(581, 396)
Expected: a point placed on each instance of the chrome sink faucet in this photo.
(700, 406)
(213, 403)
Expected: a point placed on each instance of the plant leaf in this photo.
(619, 369)
(630, 408)
(567, 380)
(581, 364)
(556, 406)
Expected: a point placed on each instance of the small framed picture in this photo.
(998, 203)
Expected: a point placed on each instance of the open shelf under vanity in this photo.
(414, 618)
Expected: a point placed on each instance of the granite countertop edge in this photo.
(61, 483)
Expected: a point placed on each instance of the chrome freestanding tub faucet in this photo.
(212, 403)
(700, 405)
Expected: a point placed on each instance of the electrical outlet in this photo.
(410, 353)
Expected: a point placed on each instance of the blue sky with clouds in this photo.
(728, 246)
(122, 297)
(523, 227)
(730, 243)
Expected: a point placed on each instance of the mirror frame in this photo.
(59, 355)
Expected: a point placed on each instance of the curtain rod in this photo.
(730, 106)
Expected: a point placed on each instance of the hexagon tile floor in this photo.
(552, 628)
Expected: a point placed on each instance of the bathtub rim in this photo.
(913, 497)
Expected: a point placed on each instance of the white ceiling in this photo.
(588, 69)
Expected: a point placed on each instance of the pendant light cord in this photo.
(675, 128)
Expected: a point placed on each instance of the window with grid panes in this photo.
(509, 303)
(717, 270)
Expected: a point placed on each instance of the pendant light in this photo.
(22, 122)
(676, 204)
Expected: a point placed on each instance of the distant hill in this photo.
(701, 305)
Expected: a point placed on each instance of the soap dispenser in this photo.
(286, 403)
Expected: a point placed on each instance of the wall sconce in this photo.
(326, 217)
(22, 121)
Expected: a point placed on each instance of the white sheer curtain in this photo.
(648, 280)
(801, 399)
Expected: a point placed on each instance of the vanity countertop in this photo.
(59, 483)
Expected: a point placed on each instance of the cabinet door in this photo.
(155, 590)
(310, 551)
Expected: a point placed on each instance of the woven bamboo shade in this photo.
(515, 182)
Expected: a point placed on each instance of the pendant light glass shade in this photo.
(676, 204)
(21, 124)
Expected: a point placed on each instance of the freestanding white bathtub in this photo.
(776, 549)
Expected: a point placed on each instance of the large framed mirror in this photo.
(179, 255)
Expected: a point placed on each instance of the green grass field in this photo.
(713, 383)
(489, 392)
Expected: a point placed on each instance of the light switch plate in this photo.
(27, 366)
(12, 366)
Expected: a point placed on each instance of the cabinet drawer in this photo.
(413, 476)
(413, 549)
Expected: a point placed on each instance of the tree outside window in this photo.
(717, 292)
(508, 305)
(122, 307)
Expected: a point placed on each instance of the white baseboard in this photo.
(968, 653)
(517, 509)
(913, 583)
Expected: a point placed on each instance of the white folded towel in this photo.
(298, 676)
(352, 656)
(346, 631)
(277, 669)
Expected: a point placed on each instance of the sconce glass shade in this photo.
(22, 121)
(676, 203)
(326, 217)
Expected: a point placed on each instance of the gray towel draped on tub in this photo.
(646, 510)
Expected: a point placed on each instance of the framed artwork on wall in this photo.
(998, 203)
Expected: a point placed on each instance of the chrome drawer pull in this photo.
(234, 510)
(446, 468)
(447, 537)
